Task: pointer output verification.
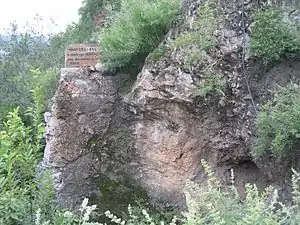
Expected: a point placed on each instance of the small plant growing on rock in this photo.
(194, 45)
(273, 37)
(212, 82)
(199, 38)
(278, 126)
(202, 30)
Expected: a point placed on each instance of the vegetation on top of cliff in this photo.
(273, 36)
(278, 126)
(88, 13)
(135, 31)
(199, 38)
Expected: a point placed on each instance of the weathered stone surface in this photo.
(83, 106)
(176, 128)
(170, 127)
(173, 135)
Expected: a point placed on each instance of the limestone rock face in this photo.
(83, 106)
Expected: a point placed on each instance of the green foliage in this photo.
(16, 90)
(202, 32)
(210, 203)
(46, 82)
(273, 37)
(86, 24)
(159, 52)
(278, 126)
(193, 57)
(26, 49)
(216, 205)
(136, 30)
(212, 83)
(117, 195)
(20, 150)
(85, 29)
(23, 190)
(135, 217)
(18, 76)
(194, 45)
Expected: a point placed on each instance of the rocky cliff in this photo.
(155, 133)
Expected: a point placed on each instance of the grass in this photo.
(136, 30)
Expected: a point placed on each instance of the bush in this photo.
(278, 126)
(18, 74)
(199, 39)
(272, 37)
(216, 205)
(136, 30)
(20, 151)
(47, 81)
(16, 91)
(86, 212)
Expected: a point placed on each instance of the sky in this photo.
(62, 12)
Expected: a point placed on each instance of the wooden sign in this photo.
(81, 55)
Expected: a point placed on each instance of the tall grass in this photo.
(136, 30)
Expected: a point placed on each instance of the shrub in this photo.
(47, 81)
(20, 150)
(199, 39)
(85, 214)
(21, 190)
(136, 30)
(272, 37)
(216, 205)
(16, 91)
(278, 125)
(25, 51)
(160, 52)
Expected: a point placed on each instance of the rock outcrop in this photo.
(83, 107)
(157, 133)
(178, 127)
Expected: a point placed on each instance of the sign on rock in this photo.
(81, 55)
